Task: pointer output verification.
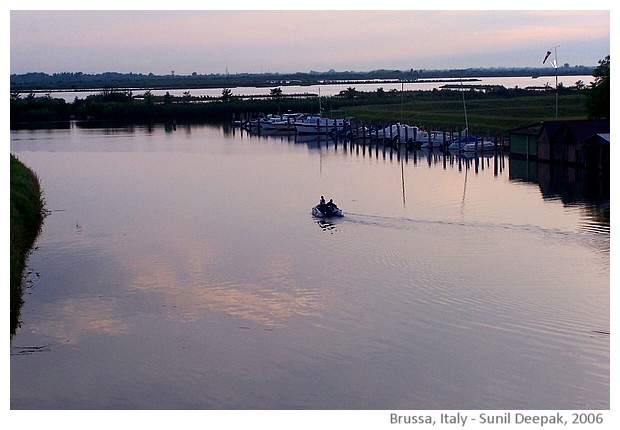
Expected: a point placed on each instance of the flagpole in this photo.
(555, 66)
(557, 90)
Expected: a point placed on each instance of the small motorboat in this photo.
(485, 145)
(326, 211)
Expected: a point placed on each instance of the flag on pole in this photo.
(546, 56)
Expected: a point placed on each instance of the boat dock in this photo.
(394, 135)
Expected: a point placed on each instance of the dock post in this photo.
(430, 141)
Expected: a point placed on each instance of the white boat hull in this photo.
(486, 145)
(404, 133)
(319, 125)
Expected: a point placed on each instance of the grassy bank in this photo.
(26, 220)
(486, 114)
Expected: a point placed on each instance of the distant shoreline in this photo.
(335, 82)
(78, 81)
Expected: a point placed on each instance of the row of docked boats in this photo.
(411, 134)
(299, 123)
(312, 124)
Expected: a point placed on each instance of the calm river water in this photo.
(182, 269)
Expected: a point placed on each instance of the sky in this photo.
(285, 41)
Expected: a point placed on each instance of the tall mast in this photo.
(464, 110)
(557, 89)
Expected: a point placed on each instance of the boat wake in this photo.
(595, 237)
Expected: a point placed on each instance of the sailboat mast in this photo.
(465, 110)
(402, 91)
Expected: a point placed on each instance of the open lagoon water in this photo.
(182, 269)
(334, 89)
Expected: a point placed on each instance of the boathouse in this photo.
(583, 143)
(596, 151)
(524, 142)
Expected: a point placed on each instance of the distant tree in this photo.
(598, 97)
(276, 93)
(226, 94)
(167, 98)
(148, 97)
(112, 95)
(580, 85)
(33, 108)
(350, 92)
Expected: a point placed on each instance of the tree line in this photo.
(123, 105)
(39, 81)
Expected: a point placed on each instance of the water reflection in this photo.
(588, 190)
(69, 319)
(270, 300)
(572, 185)
(326, 225)
(585, 190)
(325, 142)
(185, 270)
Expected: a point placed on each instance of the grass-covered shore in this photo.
(27, 213)
(486, 114)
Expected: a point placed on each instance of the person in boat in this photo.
(322, 205)
(331, 205)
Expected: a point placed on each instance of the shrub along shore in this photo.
(27, 213)
(491, 110)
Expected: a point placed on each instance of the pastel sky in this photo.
(239, 41)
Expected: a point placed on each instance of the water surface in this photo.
(182, 269)
(334, 89)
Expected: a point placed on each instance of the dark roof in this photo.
(533, 129)
(551, 128)
(580, 129)
(601, 139)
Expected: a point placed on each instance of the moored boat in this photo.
(459, 143)
(480, 145)
(287, 121)
(264, 123)
(404, 133)
(315, 124)
(440, 138)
